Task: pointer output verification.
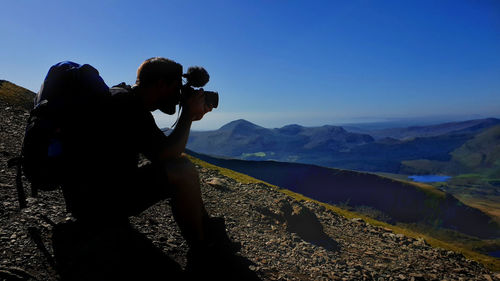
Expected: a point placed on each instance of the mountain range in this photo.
(403, 133)
(244, 139)
(333, 146)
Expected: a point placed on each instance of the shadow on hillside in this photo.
(119, 252)
(304, 223)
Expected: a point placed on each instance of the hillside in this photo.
(479, 155)
(397, 201)
(282, 238)
(11, 94)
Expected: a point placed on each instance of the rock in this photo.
(358, 220)
(219, 184)
(420, 242)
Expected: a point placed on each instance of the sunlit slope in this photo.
(449, 243)
(480, 155)
(10, 93)
(401, 201)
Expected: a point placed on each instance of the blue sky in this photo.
(278, 62)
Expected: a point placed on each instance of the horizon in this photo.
(371, 125)
(278, 63)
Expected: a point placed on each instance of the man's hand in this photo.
(196, 107)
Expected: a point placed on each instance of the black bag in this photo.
(65, 97)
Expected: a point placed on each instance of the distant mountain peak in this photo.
(291, 126)
(492, 119)
(334, 128)
(239, 124)
(290, 129)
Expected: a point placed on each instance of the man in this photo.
(105, 184)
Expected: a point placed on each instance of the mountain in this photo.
(232, 139)
(244, 139)
(402, 202)
(471, 126)
(479, 154)
(239, 126)
(13, 94)
(387, 155)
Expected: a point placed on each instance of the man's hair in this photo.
(157, 69)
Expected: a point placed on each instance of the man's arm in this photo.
(175, 144)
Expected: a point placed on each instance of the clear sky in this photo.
(278, 62)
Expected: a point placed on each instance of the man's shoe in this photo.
(216, 235)
(214, 255)
(207, 262)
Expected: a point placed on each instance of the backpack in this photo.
(65, 100)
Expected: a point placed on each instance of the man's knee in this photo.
(181, 171)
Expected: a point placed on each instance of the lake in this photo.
(429, 178)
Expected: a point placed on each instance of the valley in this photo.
(297, 157)
(467, 151)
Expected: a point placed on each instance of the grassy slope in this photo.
(12, 94)
(489, 205)
(411, 231)
(481, 154)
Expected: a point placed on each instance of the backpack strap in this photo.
(21, 196)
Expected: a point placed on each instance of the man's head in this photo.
(160, 80)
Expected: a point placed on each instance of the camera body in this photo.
(197, 77)
(211, 98)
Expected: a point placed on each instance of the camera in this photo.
(197, 77)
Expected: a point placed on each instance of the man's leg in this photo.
(187, 205)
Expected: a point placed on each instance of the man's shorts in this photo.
(119, 196)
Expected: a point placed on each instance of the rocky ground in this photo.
(285, 239)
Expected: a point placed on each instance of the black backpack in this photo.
(65, 100)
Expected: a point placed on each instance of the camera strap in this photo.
(177, 120)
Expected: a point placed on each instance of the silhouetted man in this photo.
(106, 185)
